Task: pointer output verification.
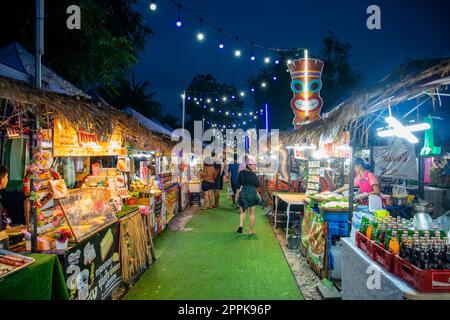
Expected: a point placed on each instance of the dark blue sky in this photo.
(410, 29)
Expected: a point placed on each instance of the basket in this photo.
(423, 280)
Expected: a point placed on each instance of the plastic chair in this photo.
(375, 203)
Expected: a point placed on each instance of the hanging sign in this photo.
(397, 160)
(306, 85)
(71, 141)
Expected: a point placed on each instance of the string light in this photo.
(266, 60)
(201, 35)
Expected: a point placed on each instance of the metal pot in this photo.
(399, 201)
(423, 206)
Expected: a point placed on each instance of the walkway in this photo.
(211, 261)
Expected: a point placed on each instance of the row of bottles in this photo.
(426, 249)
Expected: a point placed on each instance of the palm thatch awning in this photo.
(410, 80)
(24, 98)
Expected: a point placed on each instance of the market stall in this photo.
(76, 181)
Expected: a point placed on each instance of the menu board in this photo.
(157, 209)
(92, 268)
(71, 141)
(313, 182)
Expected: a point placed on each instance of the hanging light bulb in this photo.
(212, 109)
(153, 6)
(274, 78)
(242, 93)
(208, 100)
(263, 84)
(253, 52)
(200, 34)
(179, 23)
(224, 99)
(266, 60)
(237, 52)
(221, 45)
(289, 61)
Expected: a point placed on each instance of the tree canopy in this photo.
(111, 36)
(204, 87)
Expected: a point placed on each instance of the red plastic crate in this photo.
(363, 243)
(382, 256)
(422, 280)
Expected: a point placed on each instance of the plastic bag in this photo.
(443, 222)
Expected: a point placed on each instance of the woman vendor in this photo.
(365, 180)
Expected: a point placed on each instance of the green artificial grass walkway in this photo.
(213, 262)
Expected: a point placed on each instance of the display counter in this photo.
(42, 280)
(359, 280)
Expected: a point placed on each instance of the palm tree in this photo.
(130, 93)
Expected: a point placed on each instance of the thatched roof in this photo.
(23, 97)
(409, 80)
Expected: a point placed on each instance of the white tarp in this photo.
(397, 160)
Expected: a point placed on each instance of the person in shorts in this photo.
(208, 176)
(233, 171)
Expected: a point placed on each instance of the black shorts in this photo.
(219, 182)
(206, 185)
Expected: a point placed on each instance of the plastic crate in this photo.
(423, 280)
(363, 243)
(382, 256)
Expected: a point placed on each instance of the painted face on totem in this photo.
(306, 85)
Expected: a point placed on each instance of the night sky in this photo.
(173, 56)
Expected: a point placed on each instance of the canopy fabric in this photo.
(148, 123)
(17, 62)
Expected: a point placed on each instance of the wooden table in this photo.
(291, 198)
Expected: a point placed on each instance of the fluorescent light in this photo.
(401, 131)
(413, 128)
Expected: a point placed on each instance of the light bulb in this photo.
(252, 58)
(153, 6)
(179, 23)
(237, 53)
(200, 36)
(266, 59)
(242, 93)
(289, 61)
(221, 46)
(263, 84)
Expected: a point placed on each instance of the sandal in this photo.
(252, 234)
(239, 230)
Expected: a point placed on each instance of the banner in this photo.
(306, 85)
(397, 161)
(92, 268)
(314, 237)
(69, 141)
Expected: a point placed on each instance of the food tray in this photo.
(423, 280)
(28, 259)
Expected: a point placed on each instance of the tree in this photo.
(130, 93)
(211, 107)
(338, 81)
(111, 36)
(172, 122)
